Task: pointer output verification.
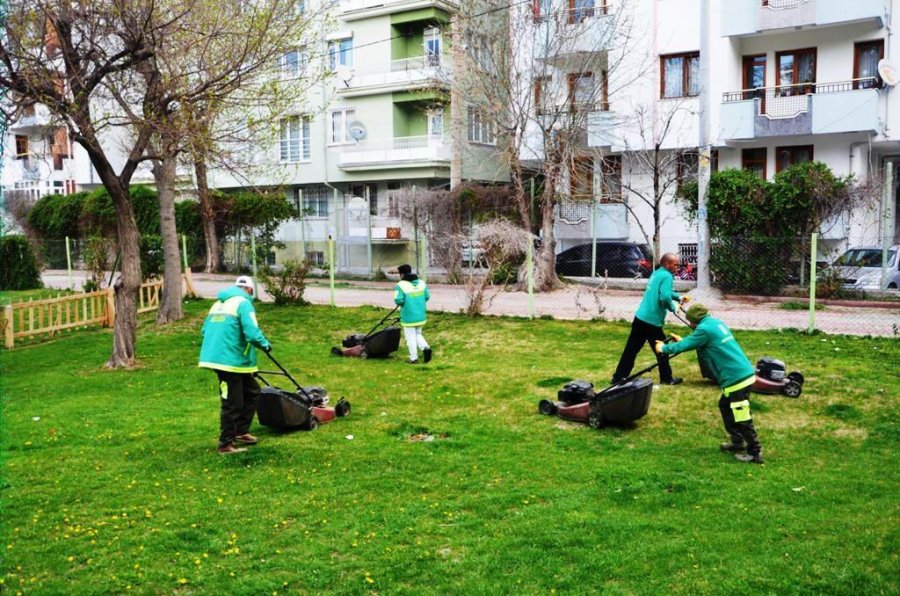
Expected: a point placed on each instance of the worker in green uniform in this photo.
(411, 294)
(230, 333)
(717, 347)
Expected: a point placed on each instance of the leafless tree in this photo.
(538, 80)
(63, 55)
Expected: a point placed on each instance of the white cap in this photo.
(244, 281)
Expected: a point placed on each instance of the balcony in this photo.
(34, 123)
(398, 152)
(419, 72)
(30, 168)
(810, 108)
(572, 221)
(758, 17)
(574, 37)
(353, 10)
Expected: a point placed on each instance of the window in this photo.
(680, 75)
(754, 76)
(316, 257)
(340, 126)
(432, 47)
(786, 157)
(687, 165)
(865, 64)
(581, 178)
(359, 190)
(480, 129)
(294, 144)
(796, 72)
(581, 90)
(480, 50)
(21, 147)
(580, 10)
(611, 179)
(543, 102)
(755, 161)
(292, 63)
(394, 196)
(340, 53)
(315, 201)
(541, 9)
(436, 123)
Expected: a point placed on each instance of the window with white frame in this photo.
(480, 49)
(432, 47)
(340, 53)
(339, 132)
(480, 129)
(436, 123)
(292, 63)
(295, 139)
(315, 201)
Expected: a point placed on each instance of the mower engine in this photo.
(771, 378)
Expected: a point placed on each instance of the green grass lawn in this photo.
(111, 482)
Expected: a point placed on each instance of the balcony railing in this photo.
(394, 144)
(781, 4)
(417, 63)
(577, 14)
(788, 101)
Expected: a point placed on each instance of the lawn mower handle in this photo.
(638, 373)
(379, 323)
(283, 372)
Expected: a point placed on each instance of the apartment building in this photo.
(789, 81)
(376, 128)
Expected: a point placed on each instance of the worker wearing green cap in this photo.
(732, 371)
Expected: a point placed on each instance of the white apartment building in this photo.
(789, 81)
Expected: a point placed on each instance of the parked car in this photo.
(614, 259)
(860, 268)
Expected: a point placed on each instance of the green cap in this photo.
(696, 312)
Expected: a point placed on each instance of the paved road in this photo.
(580, 302)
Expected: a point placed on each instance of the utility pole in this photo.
(456, 111)
(705, 153)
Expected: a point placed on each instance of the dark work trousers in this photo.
(239, 394)
(642, 333)
(735, 409)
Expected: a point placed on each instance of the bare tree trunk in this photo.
(170, 304)
(129, 282)
(207, 216)
(545, 278)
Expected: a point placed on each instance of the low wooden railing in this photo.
(50, 316)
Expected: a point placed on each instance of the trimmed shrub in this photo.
(19, 270)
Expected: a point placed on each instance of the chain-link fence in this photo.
(757, 283)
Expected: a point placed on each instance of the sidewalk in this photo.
(576, 303)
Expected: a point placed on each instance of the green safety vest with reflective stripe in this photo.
(718, 348)
(411, 296)
(230, 333)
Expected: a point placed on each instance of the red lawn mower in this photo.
(377, 343)
(305, 408)
(771, 378)
(620, 403)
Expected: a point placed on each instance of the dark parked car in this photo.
(614, 259)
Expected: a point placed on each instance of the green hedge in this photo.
(19, 270)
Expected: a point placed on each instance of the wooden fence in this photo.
(52, 315)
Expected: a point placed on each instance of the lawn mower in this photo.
(620, 403)
(377, 343)
(771, 378)
(305, 408)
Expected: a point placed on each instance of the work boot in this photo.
(246, 439)
(229, 449)
(673, 381)
(427, 354)
(410, 361)
(755, 458)
(732, 447)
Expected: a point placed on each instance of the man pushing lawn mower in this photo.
(733, 372)
(647, 326)
(230, 333)
(411, 294)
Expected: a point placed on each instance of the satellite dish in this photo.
(344, 73)
(357, 130)
(888, 72)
